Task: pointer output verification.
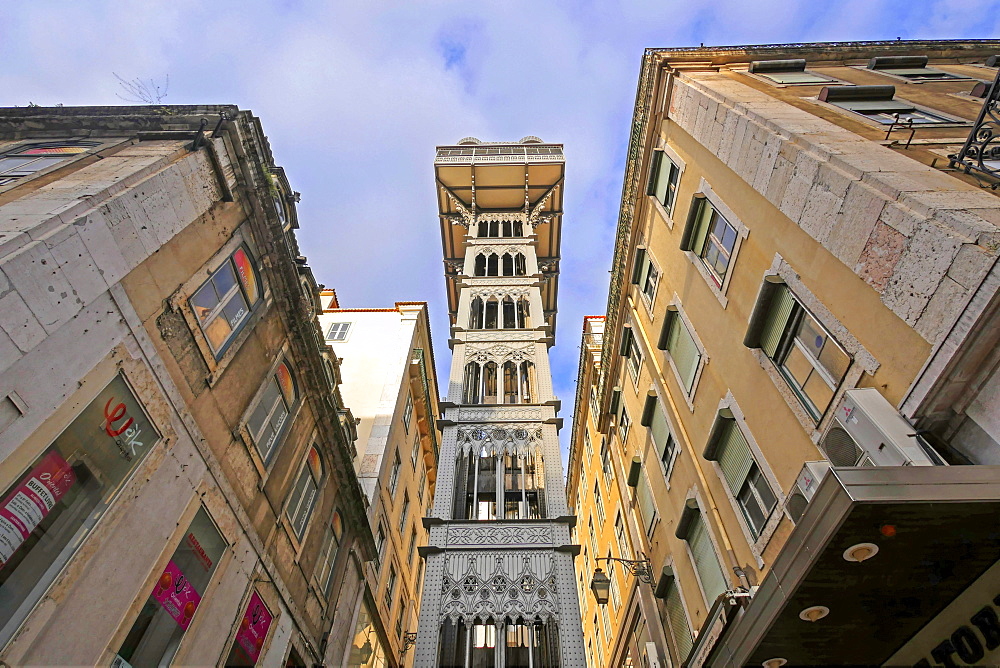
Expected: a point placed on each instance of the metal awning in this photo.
(937, 534)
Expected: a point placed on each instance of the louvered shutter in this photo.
(735, 459)
(706, 563)
(682, 349)
(679, 628)
(647, 506)
(654, 171)
(659, 429)
(781, 309)
(695, 237)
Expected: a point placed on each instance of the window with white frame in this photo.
(711, 238)
(24, 161)
(663, 177)
(605, 622)
(413, 546)
(394, 474)
(606, 462)
(405, 511)
(630, 350)
(912, 68)
(338, 331)
(623, 425)
(646, 503)
(659, 431)
(408, 412)
(750, 490)
(399, 622)
(268, 422)
(616, 597)
(390, 587)
(415, 454)
(599, 503)
(680, 629)
(807, 356)
(303, 498)
(593, 535)
(380, 540)
(588, 445)
(879, 103)
(624, 551)
(645, 275)
(693, 529)
(787, 72)
(224, 302)
(679, 344)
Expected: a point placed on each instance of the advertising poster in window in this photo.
(253, 630)
(174, 592)
(31, 501)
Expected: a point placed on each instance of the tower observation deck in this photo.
(500, 587)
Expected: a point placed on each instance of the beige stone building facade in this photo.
(387, 365)
(175, 455)
(804, 276)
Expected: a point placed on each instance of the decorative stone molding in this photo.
(488, 585)
(499, 414)
(513, 439)
(500, 291)
(517, 536)
(499, 353)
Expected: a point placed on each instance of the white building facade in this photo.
(500, 581)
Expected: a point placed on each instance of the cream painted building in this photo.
(388, 379)
(805, 275)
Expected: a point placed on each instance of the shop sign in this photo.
(254, 627)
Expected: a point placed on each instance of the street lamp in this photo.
(601, 584)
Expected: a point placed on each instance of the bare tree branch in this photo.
(138, 91)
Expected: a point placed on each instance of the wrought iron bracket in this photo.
(409, 640)
(980, 155)
(640, 568)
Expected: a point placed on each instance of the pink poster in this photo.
(176, 595)
(29, 503)
(253, 628)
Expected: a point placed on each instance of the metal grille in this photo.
(840, 448)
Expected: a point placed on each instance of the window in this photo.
(645, 275)
(250, 633)
(588, 445)
(630, 349)
(390, 587)
(680, 630)
(394, 474)
(623, 424)
(605, 622)
(328, 553)
(692, 528)
(712, 238)
(380, 540)
(809, 359)
(616, 597)
(338, 331)
(595, 411)
(399, 622)
(81, 472)
(741, 473)
(646, 503)
(606, 462)
(659, 430)
(663, 176)
(405, 511)
(496, 228)
(268, 421)
(481, 382)
(408, 412)
(413, 546)
(593, 536)
(27, 160)
(599, 503)
(224, 302)
(787, 72)
(415, 455)
(303, 498)
(879, 104)
(176, 596)
(677, 341)
(913, 68)
(624, 551)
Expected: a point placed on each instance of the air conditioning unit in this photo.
(868, 431)
(805, 488)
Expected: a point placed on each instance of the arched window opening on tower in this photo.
(492, 261)
(512, 643)
(509, 314)
(494, 313)
(488, 483)
(480, 269)
(476, 313)
(481, 383)
(495, 229)
(508, 264)
(520, 268)
(523, 314)
(473, 374)
(522, 487)
(492, 308)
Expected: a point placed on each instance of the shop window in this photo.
(787, 72)
(729, 448)
(328, 553)
(338, 331)
(912, 68)
(251, 634)
(663, 177)
(805, 353)
(168, 612)
(366, 650)
(679, 344)
(223, 304)
(303, 498)
(645, 275)
(268, 423)
(24, 161)
(879, 104)
(51, 508)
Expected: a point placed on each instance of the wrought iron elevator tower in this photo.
(499, 585)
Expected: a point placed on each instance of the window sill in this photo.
(717, 290)
(662, 210)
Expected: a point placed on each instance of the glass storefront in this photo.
(167, 614)
(49, 510)
(366, 648)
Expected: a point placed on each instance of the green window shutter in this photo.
(661, 188)
(735, 458)
(696, 229)
(659, 430)
(778, 315)
(654, 172)
(679, 628)
(713, 581)
(640, 268)
(684, 352)
(647, 506)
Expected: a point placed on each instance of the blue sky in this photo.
(355, 95)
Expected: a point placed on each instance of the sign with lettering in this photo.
(31, 501)
(254, 627)
(177, 596)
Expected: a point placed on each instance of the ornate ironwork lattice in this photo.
(980, 155)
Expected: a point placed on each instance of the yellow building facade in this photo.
(798, 260)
